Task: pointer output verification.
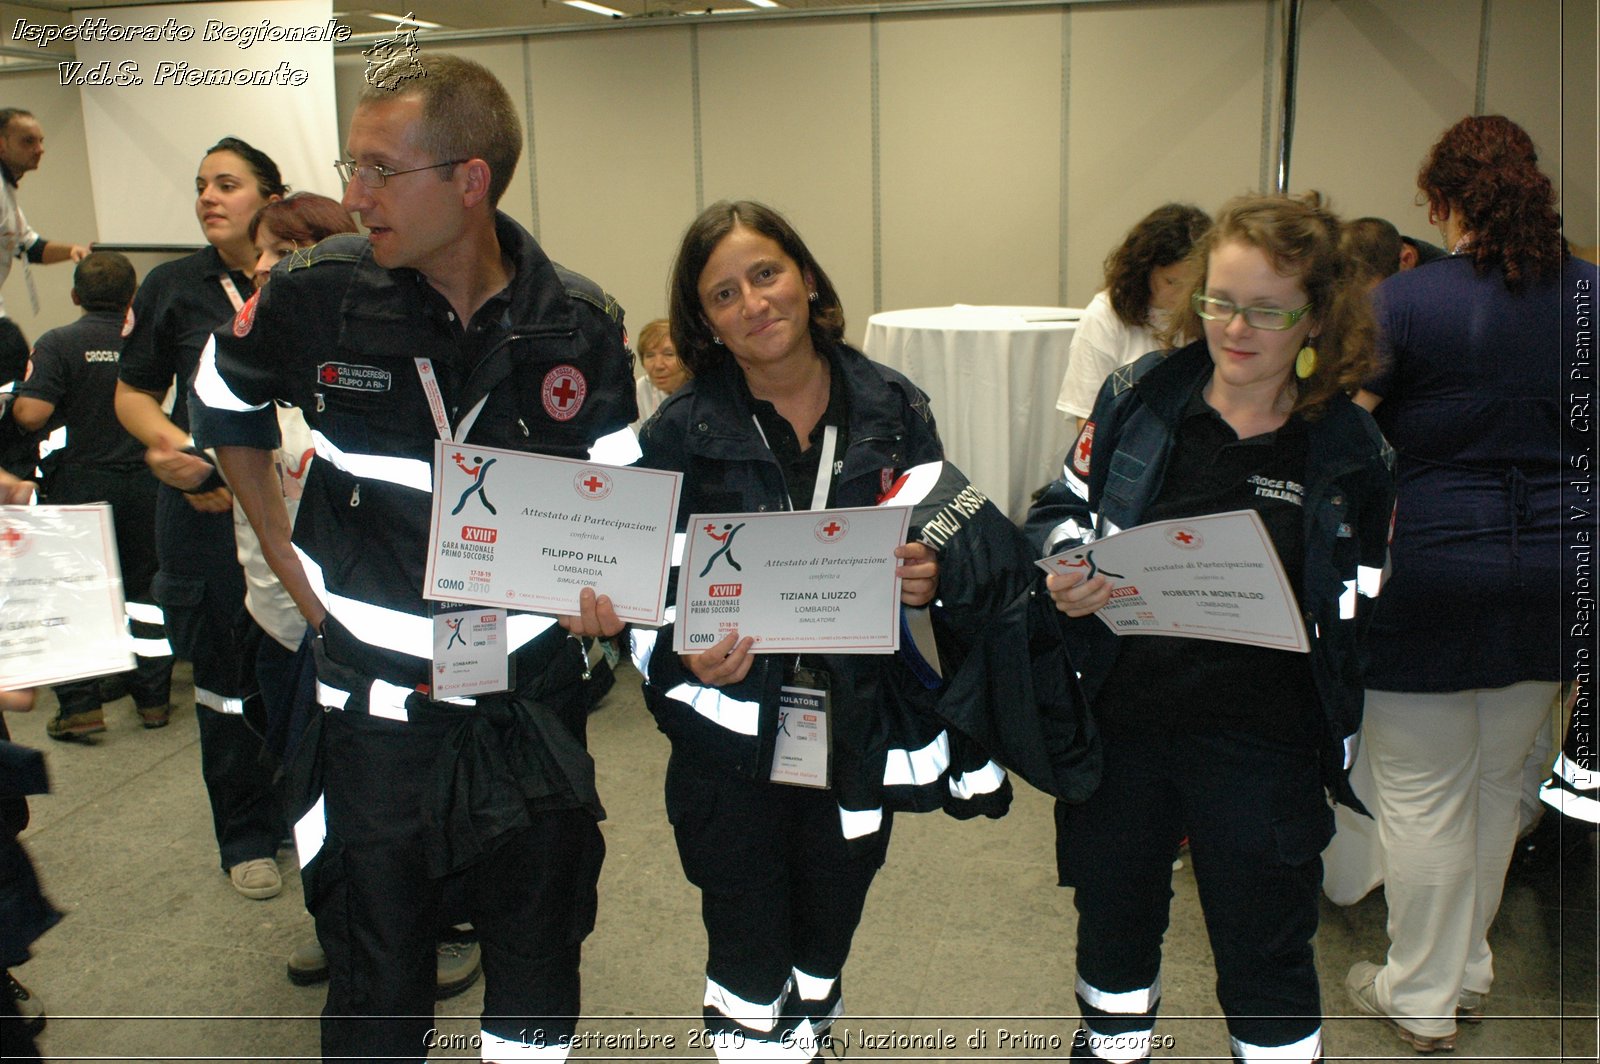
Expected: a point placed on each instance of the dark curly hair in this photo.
(1485, 170)
(1162, 237)
(691, 335)
(1301, 238)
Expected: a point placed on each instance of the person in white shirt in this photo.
(1144, 275)
(21, 149)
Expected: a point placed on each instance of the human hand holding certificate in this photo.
(60, 595)
(529, 532)
(1212, 577)
(806, 581)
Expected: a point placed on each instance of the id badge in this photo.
(469, 651)
(800, 755)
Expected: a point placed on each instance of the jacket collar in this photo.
(385, 300)
(720, 419)
(1169, 386)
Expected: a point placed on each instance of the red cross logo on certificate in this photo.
(11, 541)
(832, 529)
(1185, 539)
(593, 484)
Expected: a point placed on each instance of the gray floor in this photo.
(966, 943)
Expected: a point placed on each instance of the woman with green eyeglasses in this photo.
(1229, 744)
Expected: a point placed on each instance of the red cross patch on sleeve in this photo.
(1082, 448)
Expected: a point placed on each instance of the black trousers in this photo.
(131, 491)
(378, 912)
(1257, 822)
(14, 351)
(781, 892)
(200, 587)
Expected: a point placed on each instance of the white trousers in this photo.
(1447, 781)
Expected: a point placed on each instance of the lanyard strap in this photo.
(830, 443)
(232, 291)
(441, 422)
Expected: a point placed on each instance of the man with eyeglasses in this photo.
(446, 321)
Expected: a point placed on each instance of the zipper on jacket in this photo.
(355, 496)
(531, 334)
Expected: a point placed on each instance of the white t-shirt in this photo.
(1102, 343)
(16, 235)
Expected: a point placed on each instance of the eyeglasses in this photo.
(374, 176)
(1270, 318)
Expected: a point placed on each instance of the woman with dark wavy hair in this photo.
(783, 415)
(1146, 277)
(1465, 644)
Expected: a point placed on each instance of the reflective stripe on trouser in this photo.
(742, 1030)
(1257, 820)
(1116, 1024)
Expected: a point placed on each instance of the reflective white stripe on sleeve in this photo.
(1307, 1049)
(751, 1014)
(914, 488)
(641, 647)
(387, 700)
(503, 1049)
(985, 780)
(56, 441)
(144, 612)
(855, 823)
(712, 704)
(1351, 744)
(1566, 802)
(1107, 527)
(1125, 1048)
(1575, 774)
(917, 767)
(310, 831)
(152, 648)
(212, 389)
(1347, 601)
(1122, 1003)
(331, 697)
(1068, 531)
(212, 700)
(1370, 579)
(406, 472)
(620, 448)
(524, 628)
(1077, 484)
(378, 626)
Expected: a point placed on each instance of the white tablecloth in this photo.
(993, 374)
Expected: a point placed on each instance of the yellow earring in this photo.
(1305, 363)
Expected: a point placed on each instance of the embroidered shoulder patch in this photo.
(1082, 448)
(246, 317)
(563, 392)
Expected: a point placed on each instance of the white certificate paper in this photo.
(807, 581)
(529, 532)
(1212, 577)
(61, 611)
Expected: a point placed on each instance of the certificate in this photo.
(1211, 577)
(796, 581)
(529, 532)
(60, 596)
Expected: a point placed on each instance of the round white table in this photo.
(993, 374)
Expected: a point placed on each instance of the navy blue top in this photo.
(75, 368)
(1472, 386)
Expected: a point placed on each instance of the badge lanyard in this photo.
(479, 662)
(441, 422)
(800, 750)
(819, 493)
(232, 292)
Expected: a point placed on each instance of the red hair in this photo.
(303, 218)
(1485, 169)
